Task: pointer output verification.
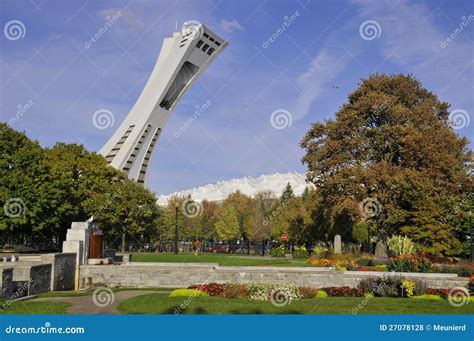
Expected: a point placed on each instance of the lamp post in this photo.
(176, 232)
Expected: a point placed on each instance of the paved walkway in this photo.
(107, 304)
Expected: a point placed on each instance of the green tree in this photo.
(126, 210)
(244, 207)
(287, 193)
(24, 189)
(227, 224)
(391, 136)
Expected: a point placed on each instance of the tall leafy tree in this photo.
(127, 210)
(227, 223)
(244, 207)
(392, 142)
(24, 191)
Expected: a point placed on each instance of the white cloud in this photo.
(231, 25)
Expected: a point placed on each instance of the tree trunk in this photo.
(123, 239)
(263, 248)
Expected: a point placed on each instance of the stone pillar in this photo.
(380, 249)
(77, 241)
(337, 244)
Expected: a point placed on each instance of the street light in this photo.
(176, 232)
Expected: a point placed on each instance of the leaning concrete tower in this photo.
(182, 59)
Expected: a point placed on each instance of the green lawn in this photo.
(162, 304)
(31, 307)
(220, 258)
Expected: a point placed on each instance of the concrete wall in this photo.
(149, 275)
(38, 273)
(33, 276)
(63, 270)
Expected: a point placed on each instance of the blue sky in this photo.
(57, 84)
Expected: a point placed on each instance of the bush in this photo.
(308, 292)
(409, 287)
(365, 261)
(320, 262)
(438, 292)
(391, 286)
(378, 268)
(344, 292)
(321, 294)
(187, 292)
(213, 289)
(235, 290)
(319, 251)
(271, 291)
(278, 251)
(428, 297)
(401, 246)
(300, 252)
(410, 263)
(360, 232)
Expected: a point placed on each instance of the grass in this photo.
(31, 307)
(163, 304)
(219, 258)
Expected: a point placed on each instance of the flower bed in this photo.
(285, 293)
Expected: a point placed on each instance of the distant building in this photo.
(182, 59)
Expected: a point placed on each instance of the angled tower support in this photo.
(182, 59)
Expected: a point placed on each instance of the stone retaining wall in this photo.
(179, 275)
(6, 282)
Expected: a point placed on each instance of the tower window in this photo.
(210, 51)
(199, 44)
(205, 47)
(184, 76)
